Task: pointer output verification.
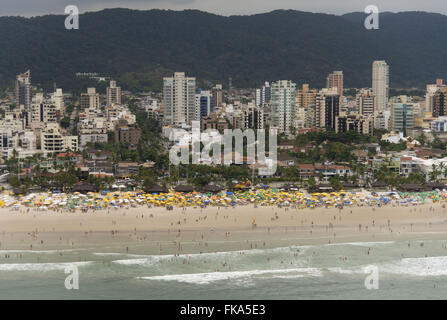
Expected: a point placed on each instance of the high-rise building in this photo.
(204, 104)
(430, 98)
(380, 85)
(90, 100)
(57, 98)
(327, 108)
(253, 117)
(335, 80)
(305, 97)
(402, 114)
(283, 100)
(23, 90)
(179, 99)
(365, 102)
(218, 95)
(42, 112)
(305, 105)
(113, 94)
(263, 95)
(440, 102)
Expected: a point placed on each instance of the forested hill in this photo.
(142, 46)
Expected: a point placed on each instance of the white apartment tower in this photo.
(179, 99)
(54, 141)
(57, 98)
(380, 85)
(113, 94)
(42, 111)
(283, 100)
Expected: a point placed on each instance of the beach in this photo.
(54, 230)
(222, 247)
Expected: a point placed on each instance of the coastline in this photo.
(194, 230)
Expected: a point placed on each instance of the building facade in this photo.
(402, 114)
(283, 100)
(113, 94)
(179, 99)
(380, 84)
(23, 90)
(90, 100)
(327, 108)
(204, 104)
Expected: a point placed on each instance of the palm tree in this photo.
(434, 172)
(441, 168)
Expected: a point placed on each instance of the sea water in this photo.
(415, 269)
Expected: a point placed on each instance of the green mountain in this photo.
(145, 45)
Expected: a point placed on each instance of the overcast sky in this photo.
(223, 7)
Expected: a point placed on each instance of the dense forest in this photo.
(139, 47)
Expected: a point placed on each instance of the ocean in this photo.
(415, 269)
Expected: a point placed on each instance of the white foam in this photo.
(421, 267)
(429, 266)
(353, 270)
(106, 254)
(205, 278)
(150, 259)
(40, 266)
(117, 254)
(361, 244)
(130, 262)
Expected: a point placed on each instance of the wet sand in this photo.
(156, 230)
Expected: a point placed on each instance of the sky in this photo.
(29, 8)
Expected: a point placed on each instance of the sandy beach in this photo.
(231, 228)
(193, 253)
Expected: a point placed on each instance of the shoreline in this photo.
(157, 230)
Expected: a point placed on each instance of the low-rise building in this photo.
(128, 135)
(127, 169)
(307, 170)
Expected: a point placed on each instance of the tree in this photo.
(14, 181)
(65, 122)
(335, 182)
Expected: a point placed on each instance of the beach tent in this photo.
(156, 189)
(84, 187)
(184, 188)
(430, 186)
(410, 187)
(379, 185)
(211, 188)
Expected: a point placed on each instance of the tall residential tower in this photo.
(23, 90)
(283, 100)
(179, 99)
(113, 94)
(380, 85)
